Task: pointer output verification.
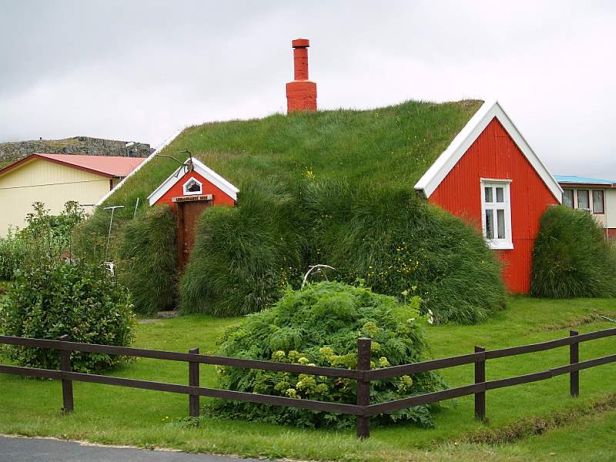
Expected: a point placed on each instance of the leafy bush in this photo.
(149, 259)
(320, 325)
(12, 253)
(244, 257)
(571, 257)
(56, 298)
(45, 237)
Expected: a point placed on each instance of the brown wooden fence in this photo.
(363, 374)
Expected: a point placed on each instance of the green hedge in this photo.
(320, 325)
(571, 257)
(81, 300)
(148, 260)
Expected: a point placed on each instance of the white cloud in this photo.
(140, 70)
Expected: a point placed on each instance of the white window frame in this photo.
(505, 243)
(192, 193)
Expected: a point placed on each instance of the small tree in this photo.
(53, 295)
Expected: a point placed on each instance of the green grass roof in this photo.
(390, 146)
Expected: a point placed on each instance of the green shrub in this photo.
(245, 256)
(148, 265)
(55, 298)
(571, 257)
(320, 325)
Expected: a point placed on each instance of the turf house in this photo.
(436, 200)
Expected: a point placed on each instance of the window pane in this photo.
(499, 195)
(597, 202)
(582, 197)
(568, 198)
(488, 193)
(500, 223)
(490, 224)
(193, 187)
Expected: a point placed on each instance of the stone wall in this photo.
(10, 152)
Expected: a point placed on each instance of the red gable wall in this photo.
(495, 155)
(219, 197)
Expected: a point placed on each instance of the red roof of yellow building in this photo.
(110, 166)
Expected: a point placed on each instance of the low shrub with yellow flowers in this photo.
(319, 325)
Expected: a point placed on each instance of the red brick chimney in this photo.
(301, 92)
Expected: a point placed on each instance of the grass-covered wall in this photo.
(571, 257)
(388, 239)
(148, 260)
(332, 187)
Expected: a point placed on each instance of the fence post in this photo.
(193, 381)
(67, 384)
(480, 377)
(363, 386)
(574, 357)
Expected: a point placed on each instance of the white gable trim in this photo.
(467, 136)
(199, 167)
(159, 148)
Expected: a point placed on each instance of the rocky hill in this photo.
(10, 152)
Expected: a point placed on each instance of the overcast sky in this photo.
(140, 70)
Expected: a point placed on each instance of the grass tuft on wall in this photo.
(148, 259)
(571, 257)
(244, 257)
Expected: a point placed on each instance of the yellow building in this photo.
(55, 179)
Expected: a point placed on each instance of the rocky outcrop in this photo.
(10, 152)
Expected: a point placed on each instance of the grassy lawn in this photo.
(583, 428)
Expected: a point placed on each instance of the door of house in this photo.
(188, 216)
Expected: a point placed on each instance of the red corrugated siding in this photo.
(219, 197)
(495, 155)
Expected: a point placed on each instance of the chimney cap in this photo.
(300, 43)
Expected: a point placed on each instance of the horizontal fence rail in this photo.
(362, 374)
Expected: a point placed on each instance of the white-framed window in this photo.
(192, 187)
(496, 213)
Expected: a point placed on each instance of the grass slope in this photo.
(390, 146)
(106, 414)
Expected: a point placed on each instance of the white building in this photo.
(596, 195)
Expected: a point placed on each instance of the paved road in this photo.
(48, 450)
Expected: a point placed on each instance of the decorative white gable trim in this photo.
(159, 148)
(467, 136)
(199, 167)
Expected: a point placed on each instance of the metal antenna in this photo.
(136, 206)
(188, 165)
(113, 209)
